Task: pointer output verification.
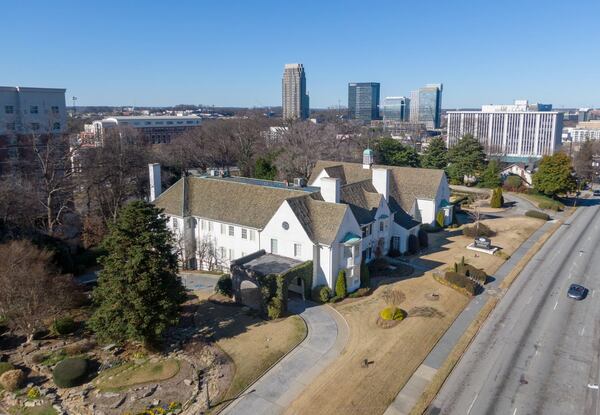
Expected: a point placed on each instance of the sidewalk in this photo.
(275, 390)
(411, 392)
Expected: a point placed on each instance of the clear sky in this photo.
(232, 53)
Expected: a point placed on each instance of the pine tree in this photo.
(139, 293)
(435, 155)
(496, 201)
(466, 158)
(491, 175)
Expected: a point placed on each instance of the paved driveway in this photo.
(274, 391)
(198, 281)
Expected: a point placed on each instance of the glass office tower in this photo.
(363, 101)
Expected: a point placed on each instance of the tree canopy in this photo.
(555, 175)
(139, 292)
(491, 175)
(393, 153)
(466, 158)
(435, 155)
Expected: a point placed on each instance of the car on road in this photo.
(576, 292)
(597, 192)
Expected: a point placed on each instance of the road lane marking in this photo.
(555, 305)
(515, 411)
(569, 277)
(472, 403)
(582, 331)
(593, 386)
(593, 292)
(529, 301)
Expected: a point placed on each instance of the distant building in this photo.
(514, 132)
(27, 112)
(586, 130)
(363, 101)
(426, 106)
(583, 114)
(396, 109)
(293, 91)
(153, 129)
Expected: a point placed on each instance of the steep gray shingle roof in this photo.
(407, 183)
(363, 200)
(251, 205)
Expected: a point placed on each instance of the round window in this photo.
(285, 225)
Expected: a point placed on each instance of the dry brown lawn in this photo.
(346, 386)
(253, 344)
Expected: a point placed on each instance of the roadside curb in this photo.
(461, 346)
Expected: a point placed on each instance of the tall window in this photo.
(10, 126)
(297, 250)
(231, 232)
(35, 126)
(222, 229)
(381, 226)
(210, 226)
(244, 233)
(231, 254)
(56, 126)
(222, 252)
(9, 109)
(273, 246)
(33, 109)
(55, 110)
(202, 224)
(252, 234)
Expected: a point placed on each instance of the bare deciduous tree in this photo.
(31, 291)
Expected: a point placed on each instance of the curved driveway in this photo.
(275, 390)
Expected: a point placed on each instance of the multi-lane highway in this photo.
(538, 351)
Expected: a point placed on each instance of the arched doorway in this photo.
(250, 294)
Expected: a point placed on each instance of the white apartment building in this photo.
(25, 111)
(586, 130)
(515, 132)
(348, 214)
(154, 129)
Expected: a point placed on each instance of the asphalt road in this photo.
(538, 351)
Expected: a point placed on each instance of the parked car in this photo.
(597, 192)
(577, 292)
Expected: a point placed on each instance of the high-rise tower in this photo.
(293, 91)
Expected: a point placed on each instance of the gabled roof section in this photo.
(363, 200)
(407, 183)
(321, 220)
(224, 200)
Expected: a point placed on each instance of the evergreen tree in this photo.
(497, 199)
(139, 293)
(340, 285)
(466, 158)
(435, 155)
(555, 175)
(265, 169)
(393, 153)
(491, 175)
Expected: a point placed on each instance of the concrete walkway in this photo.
(411, 392)
(275, 390)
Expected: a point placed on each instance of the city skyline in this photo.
(474, 50)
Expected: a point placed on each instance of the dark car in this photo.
(596, 192)
(576, 292)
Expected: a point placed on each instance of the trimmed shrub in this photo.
(275, 308)
(378, 265)
(361, 292)
(365, 275)
(423, 238)
(474, 231)
(11, 380)
(5, 367)
(430, 228)
(224, 285)
(63, 326)
(340, 285)
(321, 293)
(496, 201)
(550, 204)
(537, 214)
(335, 299)
(392, 313)
(461, 281)
(473, 273)
(413, 244)
(70, 372)
(513, 183)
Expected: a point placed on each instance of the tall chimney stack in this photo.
(155, 186)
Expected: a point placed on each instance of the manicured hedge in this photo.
(70, 372)
(365, 275)
(321, 293)
(537, 214)
(461, 281)
(361, 292)
(472, 272)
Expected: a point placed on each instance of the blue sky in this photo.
(233, 52)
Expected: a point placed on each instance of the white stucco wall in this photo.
(286, 238)
(317, 181)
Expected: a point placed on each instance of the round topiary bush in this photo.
(63, 326)
(70, 372)
(321, 293)
(224, 285)
(11, 380)
(538, 215)
(392, 313)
